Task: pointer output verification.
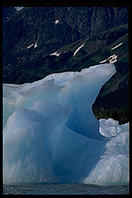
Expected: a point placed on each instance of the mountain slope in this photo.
(7, 12)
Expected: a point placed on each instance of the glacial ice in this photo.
(51, 135)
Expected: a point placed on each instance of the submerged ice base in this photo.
(51, 135)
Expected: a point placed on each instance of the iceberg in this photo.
(50, 134)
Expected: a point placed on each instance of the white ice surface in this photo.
(51, 134)
(113, 166)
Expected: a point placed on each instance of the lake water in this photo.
(50, 189)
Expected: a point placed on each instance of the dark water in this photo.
(50, 189)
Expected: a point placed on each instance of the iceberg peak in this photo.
(51, 134)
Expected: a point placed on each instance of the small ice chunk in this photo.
(108, 127)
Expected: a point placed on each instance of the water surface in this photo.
(48, 189)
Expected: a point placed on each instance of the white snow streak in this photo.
(19, 8)
(112, 56)
(57, 21)
(78, 49)
(35, 45)
(55, 54)
(30, 46)
(111, 59)
(116, 46)
(103, 61)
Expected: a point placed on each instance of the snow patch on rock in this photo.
(57, 21)
(117, 46)
(78, 49)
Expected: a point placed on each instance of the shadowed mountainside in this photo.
(31, 35)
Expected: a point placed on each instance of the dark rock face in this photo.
(64, 29)
(7, 12)
(108, 17)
